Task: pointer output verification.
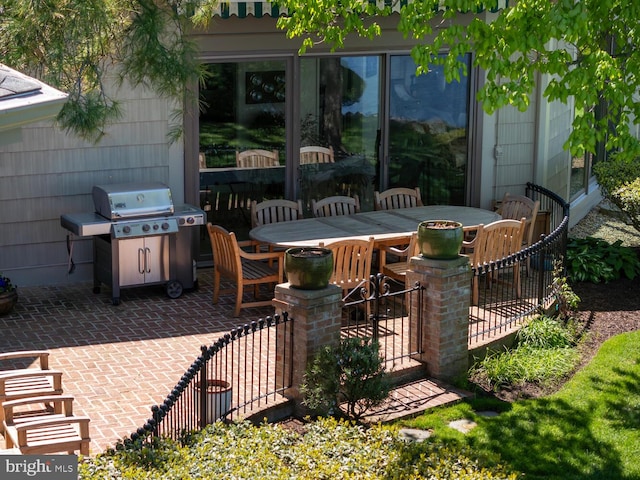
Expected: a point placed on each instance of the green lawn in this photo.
(590, 429)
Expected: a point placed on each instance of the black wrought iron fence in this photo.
(516, 287)
(244, 371)
(380, 311)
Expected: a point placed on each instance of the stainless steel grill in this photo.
(140, 237)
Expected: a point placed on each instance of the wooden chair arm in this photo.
(395, 250)
(401, 253)
(262, 255)
(42, 355)
(248, 243)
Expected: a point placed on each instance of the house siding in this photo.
(49, 173)
(516, 133)
(553, 162)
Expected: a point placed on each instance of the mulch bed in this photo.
(605, 310)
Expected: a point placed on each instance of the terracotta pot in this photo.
(8, 300)
(308, 268)
(440, 239)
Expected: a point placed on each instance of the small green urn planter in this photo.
(440, 239)
(308, 268)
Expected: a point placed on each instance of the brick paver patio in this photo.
(118, 361)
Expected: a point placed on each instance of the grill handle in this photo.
(147, 260)
(141, 261)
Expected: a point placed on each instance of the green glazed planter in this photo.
(440, 239)
(308, 268)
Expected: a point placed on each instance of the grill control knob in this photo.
(146, 227)
(126, 229)
(181, 221)
(165, 226)
(155, 226)
(190, 220)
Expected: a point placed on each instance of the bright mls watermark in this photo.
(39, 467)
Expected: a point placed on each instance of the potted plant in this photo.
(8, 295)
(308, 268)
(440, 239)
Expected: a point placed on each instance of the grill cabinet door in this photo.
(156, 261)
(144, 260)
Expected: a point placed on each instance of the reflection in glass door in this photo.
(339, 111)
(428, 132)
(242, 108)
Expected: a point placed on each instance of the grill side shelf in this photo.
(85, 224)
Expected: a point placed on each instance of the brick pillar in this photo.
(444, 314)
(316, 318)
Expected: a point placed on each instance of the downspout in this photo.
(497, 155)
(536, 132)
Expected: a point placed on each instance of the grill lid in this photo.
(132, 200)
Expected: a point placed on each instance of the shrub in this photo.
(545, 332)
(330, 449)
(567, 301)
(619, 181)
(352, 373)
(527, 365)
(543, 354)
(435, 460)
(595, 260)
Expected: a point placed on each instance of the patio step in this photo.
(411, 399)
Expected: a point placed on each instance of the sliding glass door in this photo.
(340, 111)
(428, 132)
(242, 107)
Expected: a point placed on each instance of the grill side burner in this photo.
(139, 237)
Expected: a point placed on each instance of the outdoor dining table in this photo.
(386, 226)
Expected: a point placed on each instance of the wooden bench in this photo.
(41, 430)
